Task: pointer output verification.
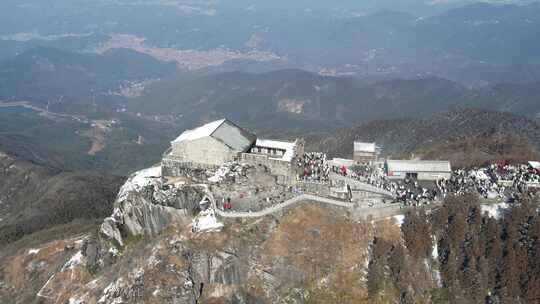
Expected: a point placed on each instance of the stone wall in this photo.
(364, 157)
(321, 189)
(282, 169)
(422, 176)
(175, 166)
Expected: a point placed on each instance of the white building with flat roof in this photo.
(275, 149)
(427, 170)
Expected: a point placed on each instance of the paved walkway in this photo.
(382, 211)
(376, 212)
(288, 203)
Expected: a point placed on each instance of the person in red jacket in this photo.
(227, 205)
(343, 170)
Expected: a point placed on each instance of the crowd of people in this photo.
(496, 181)
(313, 167)
(493, 181)
(508, 182)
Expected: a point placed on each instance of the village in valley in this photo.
(244, 176)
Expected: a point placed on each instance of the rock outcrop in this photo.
(146, 206)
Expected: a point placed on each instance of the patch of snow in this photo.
(206, 221)
(33, 251)
(113, 251)
(75, 301)
(435, 251)
(220, 174)
(200, 132)
(75, 260)
(139, 180)
(494, 210)
(93, 284)
(399, 219)
(227, 169)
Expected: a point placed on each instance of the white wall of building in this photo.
(206, 150)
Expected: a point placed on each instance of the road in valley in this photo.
(44, 112)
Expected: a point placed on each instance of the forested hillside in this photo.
(465, 136)
(476, 257)
(118, 144)
(34, 197)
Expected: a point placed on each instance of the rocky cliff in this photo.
(145, 206)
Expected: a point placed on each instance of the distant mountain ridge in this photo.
(299, 100)
(483, 75)
(48, 74)
(401, 137)
(336, 38)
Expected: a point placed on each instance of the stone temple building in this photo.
(221, 141)
(212, 144)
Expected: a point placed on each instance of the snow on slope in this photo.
(399, 219)
(200, 132)
(139, 180)
(494, 210)
(206, 221)
(75, 260)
